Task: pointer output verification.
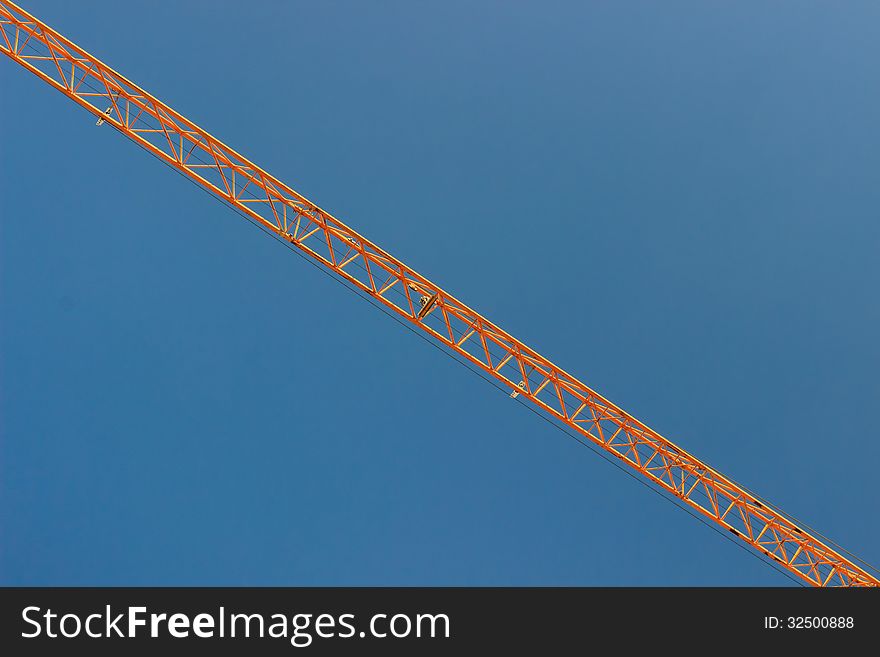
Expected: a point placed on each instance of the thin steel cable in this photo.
(442, 348)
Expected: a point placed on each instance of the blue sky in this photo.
(676, 203)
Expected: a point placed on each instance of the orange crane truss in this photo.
(278, 208)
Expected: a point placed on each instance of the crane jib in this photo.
(114, 100)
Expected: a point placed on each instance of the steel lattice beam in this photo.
(275, 206)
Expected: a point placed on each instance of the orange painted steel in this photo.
(276, 207)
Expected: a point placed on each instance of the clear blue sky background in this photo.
(677, 202)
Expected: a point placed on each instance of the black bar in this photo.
(517, 620)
